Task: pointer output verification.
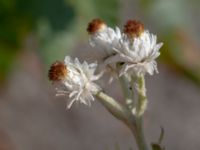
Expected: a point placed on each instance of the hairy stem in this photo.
(140, 109)
(142, 99)
(140, 138)
(133, 121)
(127, 91)
(116, 109)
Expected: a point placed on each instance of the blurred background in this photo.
(35, 33)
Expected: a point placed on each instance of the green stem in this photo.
(142, 99)
(140, 109)
(134, 122)
(116, 109)
(140, 139)
(127, 88)
(127, 91)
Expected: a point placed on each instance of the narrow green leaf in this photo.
(156, 147)
(161, 135)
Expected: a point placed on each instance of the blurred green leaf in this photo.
(157, 145)
(7, 57)
(107, 10)
(182, 55)
(161, 135)
(104, 9)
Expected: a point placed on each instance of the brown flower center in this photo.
(57, 71)
(133, 28)
(95, 25)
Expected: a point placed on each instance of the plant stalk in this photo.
(116, 109)
(140, 109)
(127, 91)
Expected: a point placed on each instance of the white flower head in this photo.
(137, 51)
(102, 37)
(77, 79)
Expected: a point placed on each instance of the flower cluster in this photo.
(131, 52)
(135, 48)
(128, 54)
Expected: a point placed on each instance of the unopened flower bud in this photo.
(133, 28)
(57, 71)
(95, 26)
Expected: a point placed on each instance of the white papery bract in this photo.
(79, 82)
(137, 55)
(105, 39)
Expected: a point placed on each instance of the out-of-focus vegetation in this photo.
(57, 25)
(179, 26)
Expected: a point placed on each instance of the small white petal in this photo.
(72, 94)
(70, 103)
